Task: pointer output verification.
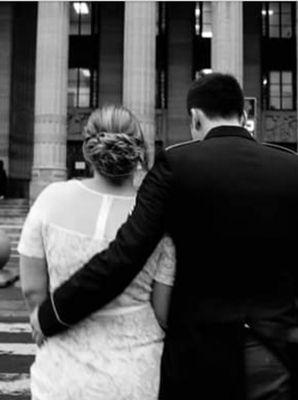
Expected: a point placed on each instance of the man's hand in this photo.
(37, 334)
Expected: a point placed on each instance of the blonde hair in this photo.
(113, 142)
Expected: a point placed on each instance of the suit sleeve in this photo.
(108, 273)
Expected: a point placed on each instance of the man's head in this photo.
(213, 100)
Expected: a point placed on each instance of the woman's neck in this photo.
(102, 184)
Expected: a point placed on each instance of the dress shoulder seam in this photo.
(178, 145)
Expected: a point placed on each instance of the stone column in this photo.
(227, 38)
(5, 79)
(49, 163)
(139, 66)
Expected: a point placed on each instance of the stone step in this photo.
(13, 265)
(13, 245)
(12, 221)
(11, 215)
(9, 203)
(14, 255)
(13, 233)
(14, 202)
(14, 241)
(13, 228)
(18, 200)
(13, 205)
(13, 250)
(12, 212)
(13, 238)
(13, 262)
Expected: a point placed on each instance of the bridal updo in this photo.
(113, 142)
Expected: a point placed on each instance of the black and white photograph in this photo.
(148, 200)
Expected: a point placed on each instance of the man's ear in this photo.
(195, 116)
(196, 123)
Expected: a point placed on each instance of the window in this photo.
(83, 55)
(80, 19)
(278, 52)
(280, 90)
(79, 87)
(202, 38)
(277, 20)
(203, 19)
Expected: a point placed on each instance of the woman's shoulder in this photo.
(55, 191)
(54, 188)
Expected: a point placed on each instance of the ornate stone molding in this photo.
(279, 126)
(76, 120)
(50, 119)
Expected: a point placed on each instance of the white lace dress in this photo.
(115, 353)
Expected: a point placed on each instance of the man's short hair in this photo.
(217, 95)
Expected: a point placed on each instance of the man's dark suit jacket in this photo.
(231, 206)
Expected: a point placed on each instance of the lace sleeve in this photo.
(165, 262)
(31, 241)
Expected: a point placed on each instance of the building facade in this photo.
(60, 60)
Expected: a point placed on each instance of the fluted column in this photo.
(49, 162)
(139, 65)
(5, 79)
(227, 38)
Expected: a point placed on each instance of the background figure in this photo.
(3, 180)
(115, 353)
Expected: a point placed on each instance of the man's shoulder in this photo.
(279, 148)
(174, 148)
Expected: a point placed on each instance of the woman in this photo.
(115, 353)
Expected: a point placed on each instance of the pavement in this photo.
(16, 346)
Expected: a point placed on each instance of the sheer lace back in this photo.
(69, 223)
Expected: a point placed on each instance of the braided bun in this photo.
(113, 142)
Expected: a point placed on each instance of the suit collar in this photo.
(228, 130)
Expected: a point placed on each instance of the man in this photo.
(231, 207)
